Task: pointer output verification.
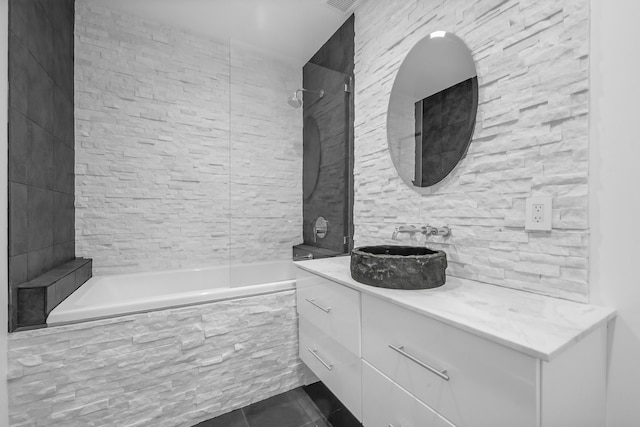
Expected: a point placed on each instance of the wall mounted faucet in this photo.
(409, 229)
(443, 231)
(427, 230)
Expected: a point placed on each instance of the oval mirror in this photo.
(432, 109)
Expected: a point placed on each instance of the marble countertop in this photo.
(534, 324)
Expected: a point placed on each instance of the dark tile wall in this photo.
(328, 117)
(328, 123)
(41, 139)
(338, 52)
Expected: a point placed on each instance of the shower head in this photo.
(296, 102)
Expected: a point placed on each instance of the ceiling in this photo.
(291, 29)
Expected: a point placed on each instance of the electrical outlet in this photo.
(537, 211)
(538, 214)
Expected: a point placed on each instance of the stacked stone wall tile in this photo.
(187, 153)
(173, 367)
(531, 138)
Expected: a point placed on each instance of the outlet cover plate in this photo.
(538, 213)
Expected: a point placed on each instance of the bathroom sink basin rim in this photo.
(399, 267)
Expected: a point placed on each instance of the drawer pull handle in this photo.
(400, 349)
(313, 302)
(315, 354)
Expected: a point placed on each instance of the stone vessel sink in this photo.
(399, 267)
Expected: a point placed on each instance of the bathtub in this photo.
(117, 295)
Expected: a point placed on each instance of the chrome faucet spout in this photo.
(409, 229)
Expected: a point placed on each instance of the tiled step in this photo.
(36, 298)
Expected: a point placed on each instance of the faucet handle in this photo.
(444, 231)
(436, 231)
(427, 230)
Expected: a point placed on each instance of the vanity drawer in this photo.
(385, 404)
(469, 380)
(332, 308)
(334, 365)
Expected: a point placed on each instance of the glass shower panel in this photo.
(326, 159)
(265, 157)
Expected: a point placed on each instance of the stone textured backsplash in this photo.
(187, 153)
(164, 368)
(531, 138)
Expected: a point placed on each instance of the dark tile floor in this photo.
(310, 406)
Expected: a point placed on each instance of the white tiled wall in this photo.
(531, 138)
(187, 153)
(266, 157)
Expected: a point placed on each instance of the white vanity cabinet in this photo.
(470, 355)
(469, 380)
(386, 404)
(329, 332)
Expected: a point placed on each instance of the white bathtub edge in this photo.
(79, 315)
